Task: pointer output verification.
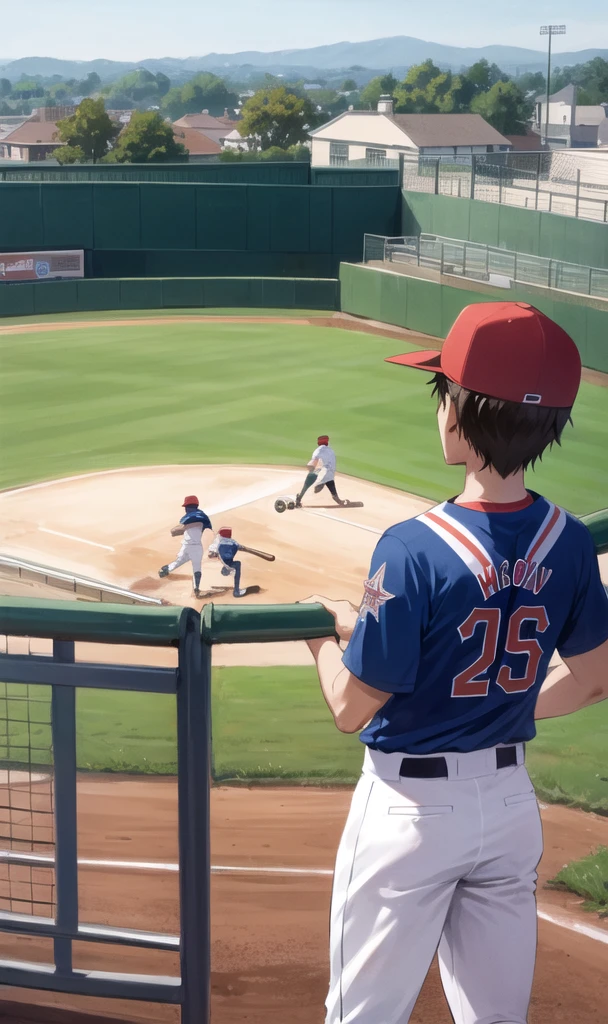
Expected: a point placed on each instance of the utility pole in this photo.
(550, 30)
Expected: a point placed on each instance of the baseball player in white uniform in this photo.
(321, 471)
(191, 527)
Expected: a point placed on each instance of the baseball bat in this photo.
(260, 554)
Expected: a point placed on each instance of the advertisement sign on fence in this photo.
(40, 266)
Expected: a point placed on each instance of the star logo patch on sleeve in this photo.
(374, 594)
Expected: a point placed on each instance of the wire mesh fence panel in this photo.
(373, 248)
(571, 183)
(27, 832)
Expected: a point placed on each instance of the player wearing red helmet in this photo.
(446, 672)
(321, 471)
(191, 526)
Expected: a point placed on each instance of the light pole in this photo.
(550, 30)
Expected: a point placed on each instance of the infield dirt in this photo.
(269, 950)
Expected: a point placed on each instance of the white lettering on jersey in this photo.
(527, 572)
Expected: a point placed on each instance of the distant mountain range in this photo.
(391, 53)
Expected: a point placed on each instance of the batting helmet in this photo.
(225, 532)
(191, 499)
(323, 439)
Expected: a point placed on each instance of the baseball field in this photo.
(104, 425)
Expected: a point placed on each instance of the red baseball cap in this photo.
(191, 499)
(225, 531)
(506, 350)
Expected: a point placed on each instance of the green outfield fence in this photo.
(267, 172)
(41, 838)
(224, 221)
(506, 227)
(27, 299)
(431, 308)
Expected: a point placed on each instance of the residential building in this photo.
(379, 135)
(531, 142)
(198, 144)
(215, 128)
(234, 140)
(34, 139)
(8, 123)
(571, 125)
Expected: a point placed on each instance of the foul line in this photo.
(347, 522)
(589, 931)
(143, 469)
(80, 540)
(575, 926)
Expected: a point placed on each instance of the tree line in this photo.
(277, 118)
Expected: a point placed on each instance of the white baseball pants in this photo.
(188, 553)
(436, 864)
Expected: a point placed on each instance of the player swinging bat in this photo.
(227, 548)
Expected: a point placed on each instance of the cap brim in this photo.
(427, 360)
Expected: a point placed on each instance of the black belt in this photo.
(437, 768)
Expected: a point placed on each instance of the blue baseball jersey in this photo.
(460, 617)
(227, 548)
(198, 516)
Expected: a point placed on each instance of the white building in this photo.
(380, 135)
(570, 124)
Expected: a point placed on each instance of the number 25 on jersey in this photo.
(467, 683)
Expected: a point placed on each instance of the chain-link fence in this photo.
(27, 834)
(486, 263)
(573, 183)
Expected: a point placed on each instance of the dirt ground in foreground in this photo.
(269, 931)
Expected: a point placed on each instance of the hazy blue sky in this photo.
(134, 29)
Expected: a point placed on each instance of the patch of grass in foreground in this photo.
(567, 759)
(588, 878)
(272, 724)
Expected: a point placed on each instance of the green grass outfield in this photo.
(81, 400)
(272, 724)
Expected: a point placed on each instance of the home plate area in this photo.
(115, 526)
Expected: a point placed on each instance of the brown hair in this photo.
(507, 435)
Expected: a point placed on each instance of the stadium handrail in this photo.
(99, 623)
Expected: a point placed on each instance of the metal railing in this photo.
(66, 623)
(573, 183)
(486, 263)
(194, 636)
(86, 588)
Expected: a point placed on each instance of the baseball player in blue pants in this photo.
(445, 672)
(227, 549)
